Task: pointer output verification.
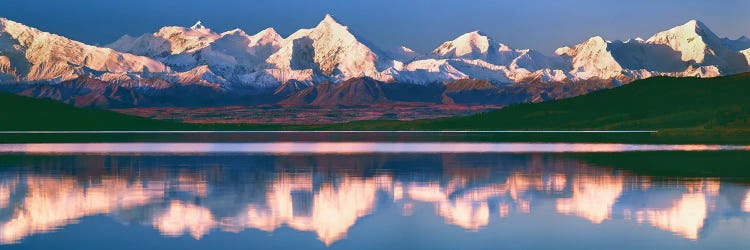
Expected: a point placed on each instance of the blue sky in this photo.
(419, 24)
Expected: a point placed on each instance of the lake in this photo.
(373, 196)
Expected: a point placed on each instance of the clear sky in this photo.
(419, 24)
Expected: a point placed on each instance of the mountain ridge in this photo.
(235, 63)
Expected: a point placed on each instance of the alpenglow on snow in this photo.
(331, 52)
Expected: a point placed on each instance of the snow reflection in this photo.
(330, 196)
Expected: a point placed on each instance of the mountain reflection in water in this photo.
(328, 195)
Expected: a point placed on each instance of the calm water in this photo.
(208, 198)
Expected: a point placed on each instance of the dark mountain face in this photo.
(472, 91)
(290, 88)
(405, 92)
(87, 92)
(353, 92)
(93, 93)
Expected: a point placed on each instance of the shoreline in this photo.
(677, 137)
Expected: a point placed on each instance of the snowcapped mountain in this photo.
(406, 55)
(30, 55)
(700, 46)
(330, 50)
(692, 40)
(170, 40)
(427, 71)
(226, 57)
(233, 53)
(591, 59)
(478, 46)
(478, 56)
(687, 50)
(268, 66)
(597, 58)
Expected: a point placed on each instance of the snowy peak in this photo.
(598, 41)
(268, 32)
(473, 44)
(691, 28)
(234, 32)
(265, 36)
(23, 34)
(233, 53)
(329, 20)
(592, 44)
(329, 49)
(200, 30)
(699, 46)
(333, 29)
(268, 35)
(406, 49)
(406, 55)
(693, 39)
(675, 51)
(479, 46)
(592, 58)
(196, 32)
(198, 26)
(170, 40)
(40, 56)
(241, 40)
(693, 25)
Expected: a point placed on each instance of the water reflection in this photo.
(328, 195)
(48, 203)
(593, 197)
(350, 148)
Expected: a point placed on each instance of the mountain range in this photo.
(330, 64)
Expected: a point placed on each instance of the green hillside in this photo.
(21, 113)
(659, 103)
